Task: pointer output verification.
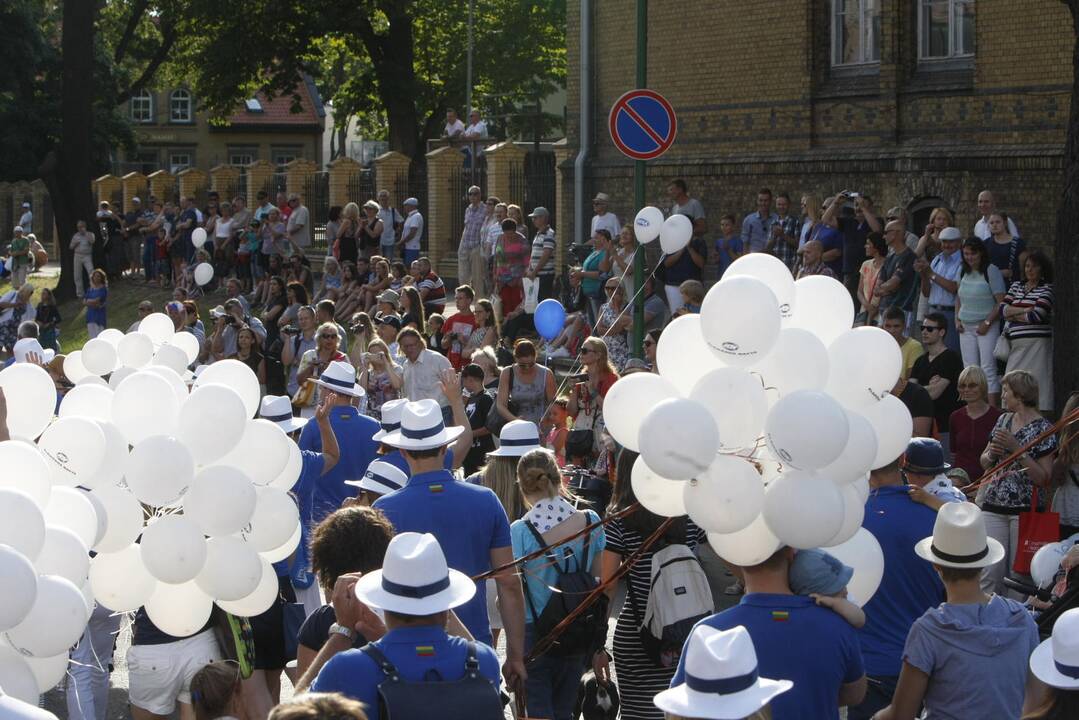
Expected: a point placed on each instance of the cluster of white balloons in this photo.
(766, 417)
(674, 233)
(203, 483)
(204, 272)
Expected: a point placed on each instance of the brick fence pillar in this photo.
(191, 181)
(503, 160)
(442, 165)
(134, 185)
(296, 174)
(225, 179)
(259, 176)
(391, 172)
(563, 189)
(105, 187)
(162, 185)
(341, 171)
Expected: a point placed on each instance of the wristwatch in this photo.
(336, 629)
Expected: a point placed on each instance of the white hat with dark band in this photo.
(422, 428)
(340, 377)
(415, 579)
(959, 539)
(381, 478)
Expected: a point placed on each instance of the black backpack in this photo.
(588, 632)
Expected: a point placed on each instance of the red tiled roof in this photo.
(278, 111)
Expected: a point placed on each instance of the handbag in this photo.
(531, 299)
(305, 395)
(1035, 530)
(495, 422)
(1003, 348)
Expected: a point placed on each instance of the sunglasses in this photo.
(328, 336)
(930, 328)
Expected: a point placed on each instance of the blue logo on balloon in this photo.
(550, 317)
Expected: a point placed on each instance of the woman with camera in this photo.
(380, 376)
(316, 358)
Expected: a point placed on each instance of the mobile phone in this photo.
(854, 196)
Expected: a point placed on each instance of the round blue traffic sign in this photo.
(642, 124)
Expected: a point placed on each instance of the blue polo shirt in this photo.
(304, 490)
(795, 640)
(354, 432)
(909, 587)
(396, 459)
(467, 520)
(414, 651)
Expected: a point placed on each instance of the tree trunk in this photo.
(1066, 294)
(66, 170)
(393, 58)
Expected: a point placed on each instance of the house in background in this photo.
(172, 134)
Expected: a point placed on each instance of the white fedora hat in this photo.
(278, 410)
(381, 478)
(517, 438)
(422, 428)
(1056, 661)
(721, 679)
(959, 539)
(340, 377)
(414, 579)
(25, 346)
(391, 418)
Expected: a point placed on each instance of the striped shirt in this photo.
(1038, 302)
(436, 290)
(543, 241)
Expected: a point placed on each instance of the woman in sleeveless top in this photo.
(528, 385)
(346, 235)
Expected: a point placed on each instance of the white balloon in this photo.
(120, 580)
(893, 426)
(288, 477)
(198, 237)
(159, 327)
(31, 399)
(221, 501)
(175, 380)
(258, 601)
(48, 672)
(823, 306)
(647, 224)
(678, 438)
(791, 424)
(159, 471)
(725, 498)
(802, 509)
(740, 320)
(90, 401)
(144, 405)
(798, 361)
(111, 471)
(173, 357)
(261, 453)
(675, 233)
(19, 580)
(232, 570)
(1046, 562)
(773, 272)
(63, 554)
(212, 422)
(682, 354)
(74, 369)
(22, 523)
(71, 508)
(237, 376)
(286, 549)
(119, 374)
(629, 400)
(92, 380)
(864, 366)
(204, 273)
(861, 485)
(25, 469)
(136, 349)
(188, 343)
(858, 455)
(99, 357)
(75, 447)
(853, 514)
(657, 494)
(88, 597)
(274, 520)
(738, 403)
(750, 546)
(112, 336)
(173, 549)
(56, 621)
(179, 609)
(124, 517)
(17, 681)
(862, 553)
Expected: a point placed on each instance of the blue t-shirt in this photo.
(414, 651)
(684, 268)
(354, 432)
(795, 640)
(467, 520)
(540, 576)
(830, 239)
(304, 490)
(396, 459)
(96, 315)
(909, 587)
(724, 246)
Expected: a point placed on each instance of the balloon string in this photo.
(990, 474)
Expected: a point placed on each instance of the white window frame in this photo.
(954, 31)
(141, 107)
(242, 156)
(180, 100)
(278, 153)
(175, 167)
(868, 10)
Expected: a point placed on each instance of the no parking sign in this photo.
(642, 124)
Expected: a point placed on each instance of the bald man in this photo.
(987, 205)
(813, 261)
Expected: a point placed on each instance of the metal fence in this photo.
(459, 184)
(532, 184)
(316, 193)
(362, 186)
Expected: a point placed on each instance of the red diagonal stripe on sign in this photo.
(643, 123)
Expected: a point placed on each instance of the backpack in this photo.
(588, 631)
(679, 598)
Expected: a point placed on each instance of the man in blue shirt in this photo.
(391, 420)
(468, 521)
(796, 640)
(757, 227)
(909, 586)
(354, 434)
(940, 278)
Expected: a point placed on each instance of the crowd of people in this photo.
(459, 490)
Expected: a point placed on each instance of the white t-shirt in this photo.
(26, 220)
(981, 229)
(692, 208)
(223, 228)
(476, 130)
(388, 216)
(300, 217)
(455, 129)
(609, 222)
(414, 220)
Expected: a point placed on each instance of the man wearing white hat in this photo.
(968, 657)
(1055, 664)
(722, 681)
(795, 639)
(468, 521)
(411, 231)
(604, 219)
(391, 420)
(27, 218)
(416, 663)
(353, 432)
(380, 479)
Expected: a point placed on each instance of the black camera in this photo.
(291, 330)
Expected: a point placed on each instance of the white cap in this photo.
(412, 201)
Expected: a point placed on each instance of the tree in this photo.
(1066, 293)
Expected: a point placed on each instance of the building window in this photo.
(242, 156)
(142, 107)
(179, 161)
(945, 29)
(180, 106)
(855, 32)
(284, 155)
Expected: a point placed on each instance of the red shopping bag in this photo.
(1035, 529)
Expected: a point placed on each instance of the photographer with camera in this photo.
(298, 339)
(227, 322)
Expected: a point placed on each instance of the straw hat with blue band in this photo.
(517, 438)
(422, 428)
(340, 377)
(1056, 661)
(415, 579)
(391, 418)
(278, 410)
(381, 478)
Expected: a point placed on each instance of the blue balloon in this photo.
(549, 319)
